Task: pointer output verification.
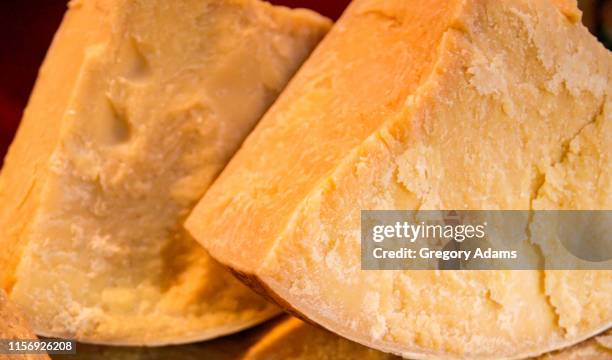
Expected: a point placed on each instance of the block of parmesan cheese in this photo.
(464, 104)
(137, 108)
(14, 326)
(297, 340)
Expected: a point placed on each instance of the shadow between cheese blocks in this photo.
(137, 108)
(231, 347)
(596, 348)
(13, 326)
(297, 340)
(290, 338)
(425, 105)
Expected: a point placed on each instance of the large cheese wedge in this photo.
(138, 107)
(465, 104)
(14, 326)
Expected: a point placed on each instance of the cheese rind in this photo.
(137, 108)
(231, 347)
(477, 105)
(294, 339)
(596, 348)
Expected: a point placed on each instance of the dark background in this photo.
(27, 27)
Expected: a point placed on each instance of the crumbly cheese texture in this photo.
(137, 108)
(13, 325)
(464, 104)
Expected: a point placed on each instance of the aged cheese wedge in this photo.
(465, 104)
(137, 108)
(13, 326)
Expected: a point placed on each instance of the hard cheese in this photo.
(295, 339)
(231, 347)
(138, 106)
(13, 326)
(597, 348)
(497, 104)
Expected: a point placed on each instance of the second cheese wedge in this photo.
(297, 340)
(433, 104)
(137, 108)
(596, 348)
(14, 326)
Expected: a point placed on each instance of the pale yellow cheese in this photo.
(14, 326)
(137, 108)
(465, 104)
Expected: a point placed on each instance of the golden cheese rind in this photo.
(294, 339)
(137, 108)
(476, 105)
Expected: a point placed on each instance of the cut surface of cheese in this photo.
(14, 326)
(137, 108)
(464, 104)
